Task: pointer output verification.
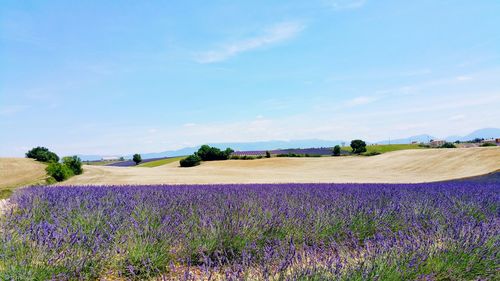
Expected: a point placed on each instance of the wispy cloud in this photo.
(463, 78)
(345, 4)
(275, 34)
(361, 100)
(458, 117)
(12, 109)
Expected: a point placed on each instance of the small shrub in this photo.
(190, 161)
(448, 145)
(74, 163)
(291, 155)
(373, 153)
(59, 171)
(137, 158)
(268, 154)
(247, 157)
(336, 150)
(50, 180)
(235, 157)
(488, 144)
(42, 154)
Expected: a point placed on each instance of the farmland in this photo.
(15, 172)
(160, 162)
(326, 151)
(383, 148)
(404, 166)
(436, 231)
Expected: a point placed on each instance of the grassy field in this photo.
(383, 148)
(160, 162)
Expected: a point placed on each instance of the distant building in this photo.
(110, 158)
(414, 142)
(436, 143)
(494, 141)
(497, 140)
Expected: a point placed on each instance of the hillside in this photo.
(15, 172)
(405, 166)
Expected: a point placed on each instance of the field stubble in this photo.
(407, 166)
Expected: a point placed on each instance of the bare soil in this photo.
(405, 166)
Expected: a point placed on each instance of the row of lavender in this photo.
(443, 231)
(130, 163)
(302, 151)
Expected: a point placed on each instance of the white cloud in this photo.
(275, 34)
(463, 78)
(361, 100)
(458, 117)
(345, 4)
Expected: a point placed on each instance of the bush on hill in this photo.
(74, 163)
(59, 171)
(137, 158)
(488, 144)
(358, 146)
(448, 145)
(336, 150)
(208, 153)
(190, 161)
(42, 154)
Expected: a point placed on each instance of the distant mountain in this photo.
(486, 133)
(90, 157)
(309, 143)
(248, 146)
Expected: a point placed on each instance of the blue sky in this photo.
(116, 77)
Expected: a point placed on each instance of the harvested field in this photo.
(16, 172)
(406, 166)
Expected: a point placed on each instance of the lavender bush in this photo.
(440, 231)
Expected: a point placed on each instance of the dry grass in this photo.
(20, 171)
(16, 172)
(407, 166)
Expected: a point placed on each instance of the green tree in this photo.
(208, 153)
(190, 161)
(358, 146)
(448, 145)
(74, 163)
(137, 158)
(336, 150)
(59, 171)
(42, 154)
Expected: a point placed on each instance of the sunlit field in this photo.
(438, 231)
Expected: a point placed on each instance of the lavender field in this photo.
(439, 231)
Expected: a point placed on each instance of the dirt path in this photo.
(407, 166)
